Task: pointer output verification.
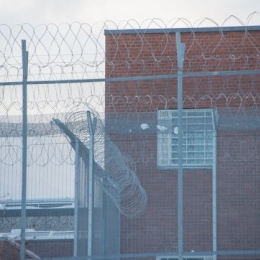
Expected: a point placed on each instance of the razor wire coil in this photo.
(79, 51)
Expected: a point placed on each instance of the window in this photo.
(197, 146)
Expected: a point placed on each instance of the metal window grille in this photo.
(197, 145)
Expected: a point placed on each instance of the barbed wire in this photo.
(68, 49)
(122, 51)
(114, 172)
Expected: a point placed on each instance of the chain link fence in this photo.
(141, 140)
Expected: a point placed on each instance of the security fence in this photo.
(130, 141)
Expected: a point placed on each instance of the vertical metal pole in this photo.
(76, 200)
(118, 233)
(180, 58)
(214, 194)
(92, 126)
(24, 150)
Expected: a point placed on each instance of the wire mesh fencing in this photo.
(142, 141)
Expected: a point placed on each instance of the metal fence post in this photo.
(92, 126)
(180, 58)
(76, 200)
(24, 150)
(214, 195)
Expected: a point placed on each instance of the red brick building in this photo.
(221, 141)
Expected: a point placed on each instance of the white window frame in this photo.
(198, 130)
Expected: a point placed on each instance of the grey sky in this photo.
(58, 11)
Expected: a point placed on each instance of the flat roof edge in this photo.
(184, 30)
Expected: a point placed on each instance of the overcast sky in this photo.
(38, 12)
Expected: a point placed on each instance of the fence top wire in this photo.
(105, 55)
(78, 51)
(80, 55)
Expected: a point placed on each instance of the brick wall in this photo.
(10, 250)
(238, 173)
(51, 248)
(35, 249)
(155, 54)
